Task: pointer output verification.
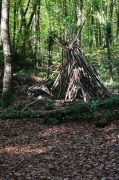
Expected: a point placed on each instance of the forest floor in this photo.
(70, 151)
(75, 150)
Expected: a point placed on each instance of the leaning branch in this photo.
(29, 105)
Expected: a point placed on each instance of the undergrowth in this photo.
(107, 108)
(14, 113)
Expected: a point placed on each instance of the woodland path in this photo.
(71, 151)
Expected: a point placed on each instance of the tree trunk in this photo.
(15, 23)
(0, 10)
(36, 34)
(7, 79)
(79, 22)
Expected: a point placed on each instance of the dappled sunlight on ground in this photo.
(22, 150)
(71, 151)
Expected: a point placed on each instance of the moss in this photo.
(6, 99)
(52, 121)
(101, 123)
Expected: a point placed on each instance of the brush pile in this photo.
(77, 73)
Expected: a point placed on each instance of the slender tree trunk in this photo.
(100, 35)
(35, 39)
(109, 60)
(0, 10)
(91, 31)
(23, 15)
(109, 39)
(14, 27)
(49, 63)
(117, 32)
(7, 79)
(79, 22)
(1, 69)
(36, 34)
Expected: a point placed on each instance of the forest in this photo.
(59, 89)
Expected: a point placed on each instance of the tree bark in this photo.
(79, 22)
(0, 10)
(7, 79)
(36, 34)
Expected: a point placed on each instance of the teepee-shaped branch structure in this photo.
(77, 71)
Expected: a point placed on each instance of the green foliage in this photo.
(94, 105)
(29, 113)
(75, 111)
(52, 121)
(18, 61)
(108, 108)
(23, 77)
(61, 17)
(6, 99)
(15, 113)
(101, 123)
(11, 113)
(111, 103)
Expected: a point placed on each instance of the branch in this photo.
(30, 104)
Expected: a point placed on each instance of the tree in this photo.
(36, 32)
(7, 79)
(79, 23)
(0, 10)
(31, 23)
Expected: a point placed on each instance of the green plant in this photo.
(15, 113)
(6, 99)
(29, 113)
(101, 123)
(11, 113)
